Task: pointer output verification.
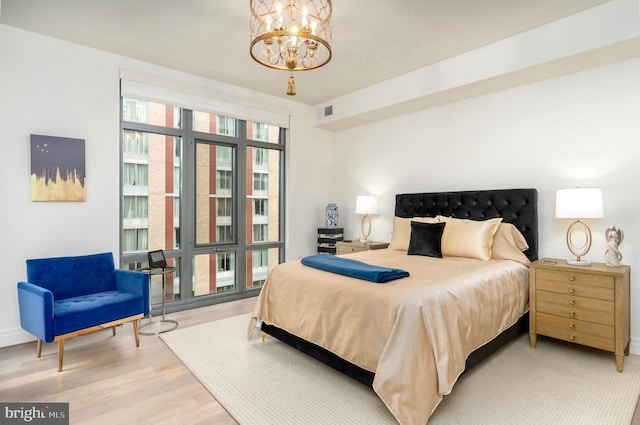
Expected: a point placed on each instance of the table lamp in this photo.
(579, 203)
(366, 205)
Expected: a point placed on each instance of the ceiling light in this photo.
(295, 36)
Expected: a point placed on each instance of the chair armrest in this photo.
(36, 310)
(134, 282)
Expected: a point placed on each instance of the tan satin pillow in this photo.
(509, 244)
(468, 238)
(402, 231)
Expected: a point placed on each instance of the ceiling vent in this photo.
(324, 112)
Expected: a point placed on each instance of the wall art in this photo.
(57, 169)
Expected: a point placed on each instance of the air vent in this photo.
(322, 111)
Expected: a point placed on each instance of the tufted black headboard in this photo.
(516, 206)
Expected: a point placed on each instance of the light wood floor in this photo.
(107, 380)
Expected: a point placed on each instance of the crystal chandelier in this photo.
(293, 37)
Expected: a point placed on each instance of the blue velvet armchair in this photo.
(70, 296)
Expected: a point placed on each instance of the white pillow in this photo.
(468, 238)
(508, 244)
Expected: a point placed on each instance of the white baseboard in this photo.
(14, 336)
(9, 337)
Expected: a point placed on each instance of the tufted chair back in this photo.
(67, 277)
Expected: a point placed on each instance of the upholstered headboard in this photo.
(516, 206)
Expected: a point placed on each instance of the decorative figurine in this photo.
(614, 238)
(332, 216)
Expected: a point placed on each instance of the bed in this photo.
(410, 339)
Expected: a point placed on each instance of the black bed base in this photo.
(366, 377)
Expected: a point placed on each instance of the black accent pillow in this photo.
(426, 239)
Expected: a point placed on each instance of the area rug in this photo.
(263, 383)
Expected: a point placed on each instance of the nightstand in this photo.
(349, 247)
(586, 305)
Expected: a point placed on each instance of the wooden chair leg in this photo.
(60, 353)
(135, 332)
(114, 330)
(38, 348)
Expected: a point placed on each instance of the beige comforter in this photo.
(414, 333)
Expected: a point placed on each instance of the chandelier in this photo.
(293, 37)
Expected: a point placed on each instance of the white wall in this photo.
(580, 129)
(56, 88)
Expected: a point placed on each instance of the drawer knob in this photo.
(572, 278)
(572, 301)
(572, 314)
(572, 337)
(572, 290)
(572, 325)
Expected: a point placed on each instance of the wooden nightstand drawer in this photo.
(594, 305)
(351, 247)
(577, 337)
(578, 289)
(572, 312)
(577, 278)
(575, 325)
(347, 248)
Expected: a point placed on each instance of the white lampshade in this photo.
(579, 202)
(366, 204)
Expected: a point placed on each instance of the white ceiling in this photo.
(373, 40)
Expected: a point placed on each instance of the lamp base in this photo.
(578, 263)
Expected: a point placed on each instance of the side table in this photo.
(583, 305)
(343, 247)
(157, 323)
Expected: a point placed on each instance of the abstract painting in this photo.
(57, 169)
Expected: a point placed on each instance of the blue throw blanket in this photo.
(353, 268)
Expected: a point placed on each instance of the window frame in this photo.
(186, 248)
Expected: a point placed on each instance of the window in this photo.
(223, 179)
(264, 133)
(225, 263)
(135, 240)
(226, 126)
(135, 174)
(177, 184)
(224, 234)
(135, 142)
(134, 110)
(260, 258)
(260, 233)
(136, 207)
(262, 261)
(176, 210)
(260, 157)
(260, 131)
(224, 157)
(260, 207)
(224, 207)
(145, 112)
(228, 160)
(260, 181)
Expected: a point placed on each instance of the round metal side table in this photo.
(163, 325)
